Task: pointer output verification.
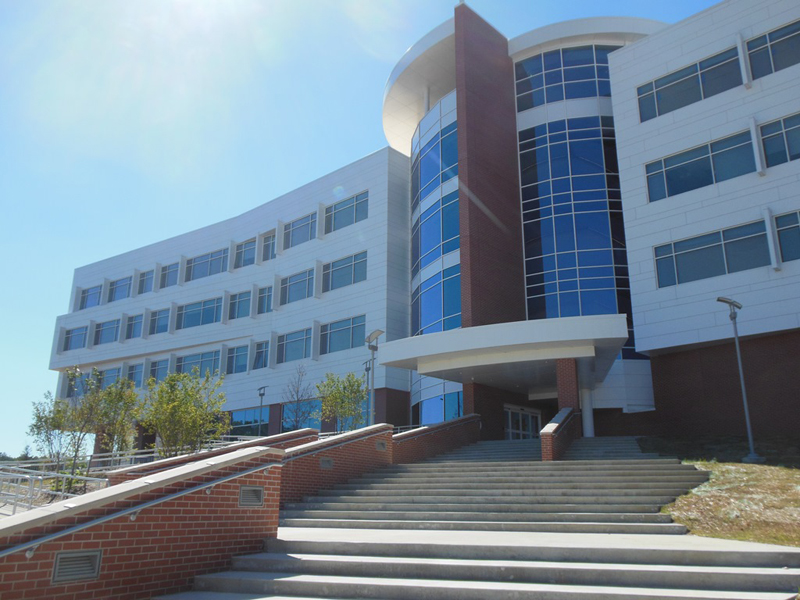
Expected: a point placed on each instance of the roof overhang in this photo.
(518, 357)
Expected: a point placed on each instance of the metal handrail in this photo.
(133, 510)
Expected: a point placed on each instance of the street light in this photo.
(261, 391)
(372, 344)
(733, 305)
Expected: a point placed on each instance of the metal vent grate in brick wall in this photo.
(251, 495)
(74, 566)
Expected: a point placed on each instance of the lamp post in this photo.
(372, 344)
(733, 305)
(261, 391)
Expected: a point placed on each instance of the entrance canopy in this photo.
(518, 357)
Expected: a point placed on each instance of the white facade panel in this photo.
(687, 313)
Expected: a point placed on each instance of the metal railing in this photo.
(25, 489)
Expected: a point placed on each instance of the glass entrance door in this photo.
(521, 423)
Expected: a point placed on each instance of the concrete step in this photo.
(420, 467)
(548, 526)
(534, 516)
(454, 507)
(426, 589)
(444, 481)
(521, 486)
(521, 571)
(543, 500)
(701, 552)
(569, 515)
(484, 499)
(589, 507)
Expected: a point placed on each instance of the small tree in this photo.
(298, 401)
(343, 400)
(184, 410)
(49, 430)
(119, 409)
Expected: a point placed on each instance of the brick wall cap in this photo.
(263, 442)
(413, 433)
(335, 440)
(73, 506)
(557, 421)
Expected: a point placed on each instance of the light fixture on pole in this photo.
(372, 344)
(261, 391)
(733, 305)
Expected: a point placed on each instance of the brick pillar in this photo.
(567, 384)
(275, 418)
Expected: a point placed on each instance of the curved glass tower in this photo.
(435, 257)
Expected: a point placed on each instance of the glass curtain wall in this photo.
(435, 257)
(575, 259)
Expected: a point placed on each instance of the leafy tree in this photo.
(343, 400)
(49, 428)
(298, 401)
(184, 410)
(119, 409)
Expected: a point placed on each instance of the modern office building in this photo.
(550, 227)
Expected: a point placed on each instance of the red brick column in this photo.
(567, 384)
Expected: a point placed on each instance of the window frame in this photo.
(300, 335)
(245, 254)
(353, 266)
(294, 227)
(239, 306)
(158, 322)
(351, 324)
(101, 331)
(130, 326)
(114, 287)
(302, 280)
(214, 305)
(75, 333)
(95, 292)
(210, 263)
(169, 275)
(354, 204)
(234, 363)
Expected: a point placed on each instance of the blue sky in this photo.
(123, 123)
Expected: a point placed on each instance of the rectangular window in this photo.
(239, 306)
(261, 358)
(119, 289)
(346, 212)
(690, 84)
(108, 378)
(297, 287)
(342, 335)
(199, 313)
(705, 165)
(133, 327)
(135, 373)
(343, 272)
(145, 282)
(268, 250)
(75, 338)
(299, 231)
(246, 422)
(781, 140)
(788, 227)
(90, 297)
(159, 321)
(207, 264)
(159, 369)
(264, 300)
(712, 254)
(169, 275)
(205, 362)
(245, 254)
(77, 386)
(774, 51)
(237, 360)
(294, 346)
(105, 333)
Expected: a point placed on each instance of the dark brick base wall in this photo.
(392, 406)
(697, 392)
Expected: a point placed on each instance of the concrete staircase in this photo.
(503, 486)
(448, 529)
